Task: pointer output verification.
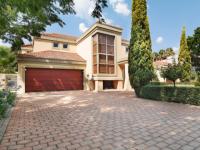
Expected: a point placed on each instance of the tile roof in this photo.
(56, 55)
(27, 45)
(160, 63)
(61, 36)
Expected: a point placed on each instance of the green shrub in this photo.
(186, 95)
(193, 76)
(3, 108)
(11, 98)
(6, 99)
(158, 83)
(197, 84)
(3, 104)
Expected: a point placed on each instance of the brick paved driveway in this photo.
(109, 120)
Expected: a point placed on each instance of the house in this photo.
(158, 65)
(96, 60)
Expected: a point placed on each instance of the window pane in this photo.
(95, 69)
(110, 40)
(94, 49)
(111, 60)
(65, 45)
(102, 48)
(102, 68)
(95, 39)
(55, 44)
(102, 59)
(111, 69)
(94, 59)
(110, 50)
(102, 39)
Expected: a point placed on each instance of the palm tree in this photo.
(7, 60)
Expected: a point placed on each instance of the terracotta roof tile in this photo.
(160, 63)
(61, 36)
(27, 45)
(56, 55)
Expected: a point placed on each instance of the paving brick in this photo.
(83, 120)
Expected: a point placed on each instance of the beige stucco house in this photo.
(96, 60)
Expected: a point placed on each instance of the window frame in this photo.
(56, 46)
(110, 67)
(66, 45)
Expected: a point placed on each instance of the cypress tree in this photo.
(184, 58)
(141, 70)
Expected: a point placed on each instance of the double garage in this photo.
(43, 79)
(50, 71)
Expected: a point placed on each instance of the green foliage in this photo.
(3, 108)
(194, 47)
(184, 58)
(21, 19)
(141, 70)
(7, 60)
(197, 83)
(6, 99)
(3, 105)
(186, 95)
(193, 76)
(198, 79)
(163, 54)
(99, 5)
(11, 98)
(172, 72)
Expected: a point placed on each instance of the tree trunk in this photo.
(174, 83)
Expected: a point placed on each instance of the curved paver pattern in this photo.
(107, 121)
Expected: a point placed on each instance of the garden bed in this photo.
(7, 101)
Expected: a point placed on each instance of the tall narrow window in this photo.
(95, 47)
(103, 53)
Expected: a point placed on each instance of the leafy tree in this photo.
(156, 56)
(169, 52)
(7, 60)
(163, 54)
(21, 19)
(172, 72)
(141, 70)
(194, 47)
(184, 58)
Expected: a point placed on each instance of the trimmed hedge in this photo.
(185, 95)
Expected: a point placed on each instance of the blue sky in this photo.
(167, 17)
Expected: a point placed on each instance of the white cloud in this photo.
(176, 49)
(120, 6)
(82, 27)
(159, 40)
(84, 9)
(4, 44)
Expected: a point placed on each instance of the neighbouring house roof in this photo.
(56, 55)
(160, 63)
(60, 36)
(27, 46)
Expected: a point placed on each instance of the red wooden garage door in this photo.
(38, 80)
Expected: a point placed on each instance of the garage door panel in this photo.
(53, 80)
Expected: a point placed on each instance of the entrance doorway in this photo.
(108, 85)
